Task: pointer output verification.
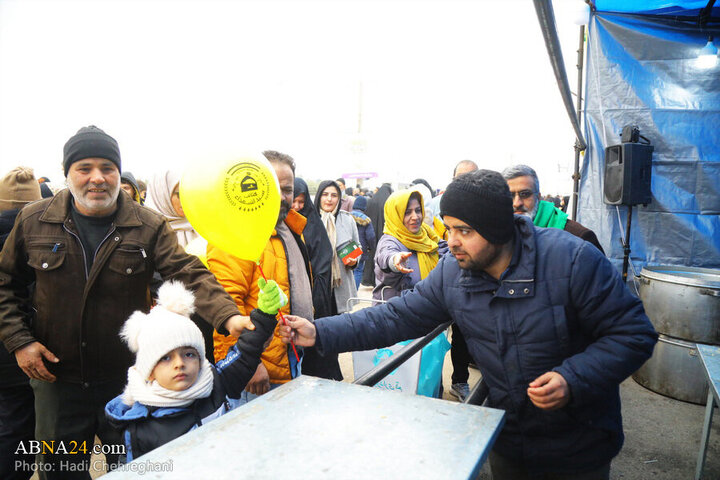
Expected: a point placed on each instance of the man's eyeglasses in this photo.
(523, 194)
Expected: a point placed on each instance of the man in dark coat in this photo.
(459, 354)
(525, 189)
(376, 211)
(553, 331)
(90, 254)
(17, 408)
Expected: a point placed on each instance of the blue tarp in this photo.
(643, 71)
(653, 7)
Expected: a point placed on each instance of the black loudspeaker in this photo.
(628, 168)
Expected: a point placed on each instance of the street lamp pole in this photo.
(578, 147)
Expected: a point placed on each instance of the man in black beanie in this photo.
(553, 331)
(90, 142)
(91, 254)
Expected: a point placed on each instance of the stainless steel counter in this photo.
(319, 429)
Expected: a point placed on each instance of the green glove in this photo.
(271, 298)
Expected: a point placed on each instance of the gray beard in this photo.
(531, 214)
(78, 198)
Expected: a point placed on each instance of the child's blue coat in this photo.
(146, 428)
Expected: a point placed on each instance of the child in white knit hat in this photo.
(172, 388)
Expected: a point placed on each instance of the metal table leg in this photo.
(705, 435)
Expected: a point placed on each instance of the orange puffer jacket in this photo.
(240, 279)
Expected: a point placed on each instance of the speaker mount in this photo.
(628, 170)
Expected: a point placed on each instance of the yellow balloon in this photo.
(232, 203)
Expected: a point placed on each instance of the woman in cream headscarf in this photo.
(408, 250)
(163, 196)
(340, 228)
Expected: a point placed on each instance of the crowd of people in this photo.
(112, 329)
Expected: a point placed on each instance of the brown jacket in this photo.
(79, 313)
(583, 232)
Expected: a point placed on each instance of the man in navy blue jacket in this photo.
(547, 318)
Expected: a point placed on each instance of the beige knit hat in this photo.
(18, 188)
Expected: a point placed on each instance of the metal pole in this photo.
(578, 149)
(709, 407)
(546, 17)
(383, 369)
(626, 247)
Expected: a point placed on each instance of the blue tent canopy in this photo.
(654, 7)
(642, 70)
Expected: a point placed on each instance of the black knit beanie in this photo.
(482, 200)
(360, 203)
(90, 142)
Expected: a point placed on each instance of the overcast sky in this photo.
(402, 88)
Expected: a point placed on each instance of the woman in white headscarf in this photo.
(163, 196)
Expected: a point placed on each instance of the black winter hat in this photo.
(360, 203)
(128, 177)
(482, 200)
(90, 142)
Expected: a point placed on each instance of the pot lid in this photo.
(700, 277)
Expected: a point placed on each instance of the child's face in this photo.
(178, 369)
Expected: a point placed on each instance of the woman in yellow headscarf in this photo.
(408, 250)
(406, 253)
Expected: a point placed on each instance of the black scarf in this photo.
(320, 252)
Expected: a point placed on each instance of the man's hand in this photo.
(399, 262)
(298, 330)
(259, 384)
(237, 323)
(549, 391)
(30, 359)
(351, 263)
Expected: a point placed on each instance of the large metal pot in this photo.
(674, 370)
(683, 302)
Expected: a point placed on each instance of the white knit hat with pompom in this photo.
(164, 329)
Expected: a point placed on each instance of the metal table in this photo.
(710, 357)
(319, 429)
